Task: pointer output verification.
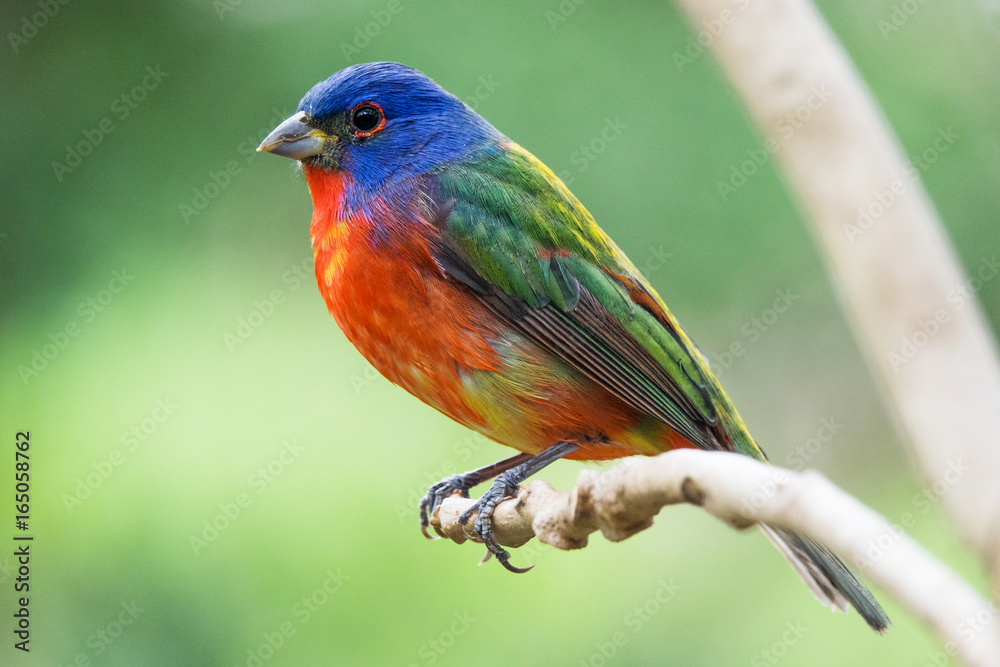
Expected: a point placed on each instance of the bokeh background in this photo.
(206, 384)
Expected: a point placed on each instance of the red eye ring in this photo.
(362, 116)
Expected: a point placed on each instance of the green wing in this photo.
(515, 235)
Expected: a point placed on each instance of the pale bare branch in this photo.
(912, 308)
(741, 492)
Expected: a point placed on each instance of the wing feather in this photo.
(513, 234)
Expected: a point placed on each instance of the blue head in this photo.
(380, 122)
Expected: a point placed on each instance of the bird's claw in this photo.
(505, 486)
(508, 475)
(435, 496)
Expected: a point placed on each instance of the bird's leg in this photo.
(447, 486)
(507, 485)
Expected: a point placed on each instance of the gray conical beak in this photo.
(294, 139)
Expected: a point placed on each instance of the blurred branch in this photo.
(913, 310)
(741, 492)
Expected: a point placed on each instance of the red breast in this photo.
(393, 303)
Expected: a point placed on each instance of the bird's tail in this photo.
(827, 576)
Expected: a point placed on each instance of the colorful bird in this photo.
(466, 272)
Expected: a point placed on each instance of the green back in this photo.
(539, 257)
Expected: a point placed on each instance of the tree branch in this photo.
(741, 492)
(911, 306)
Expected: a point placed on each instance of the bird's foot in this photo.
(504, 486)
(461, 483)
(509, 474)
(435, 496)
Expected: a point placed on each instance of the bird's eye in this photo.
(367, 119)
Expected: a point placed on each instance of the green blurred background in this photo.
(153, 419)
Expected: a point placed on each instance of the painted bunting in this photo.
(466, 272)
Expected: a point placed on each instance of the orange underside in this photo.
(435, 339)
